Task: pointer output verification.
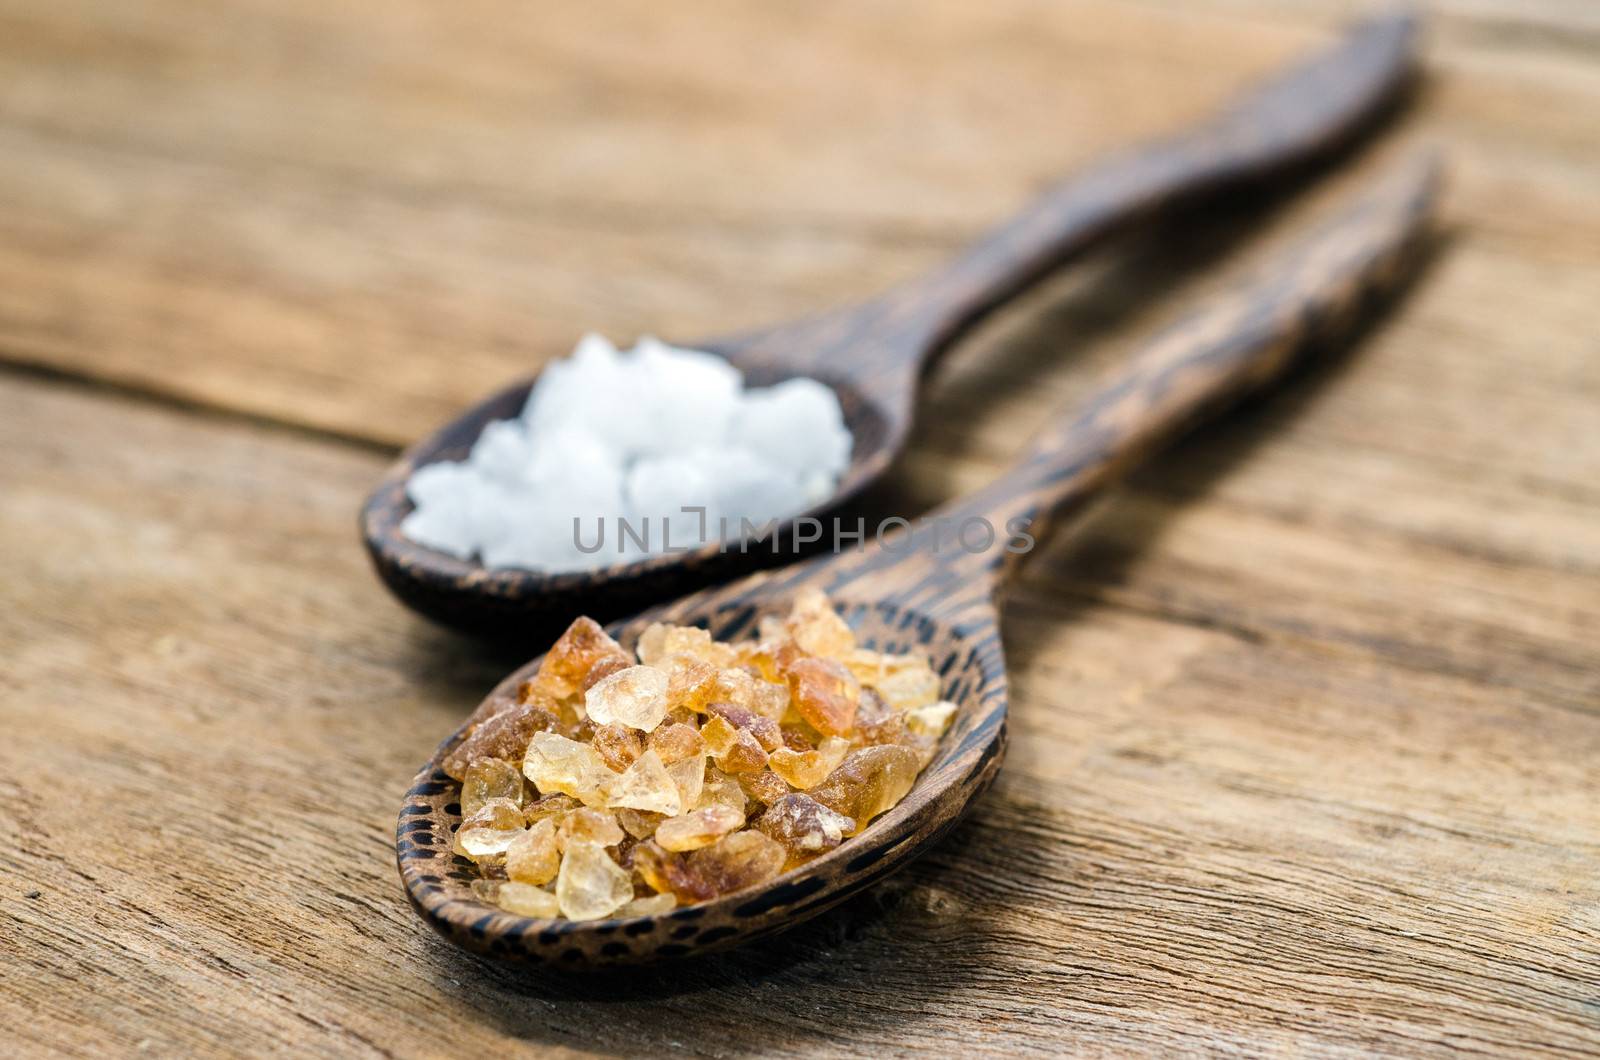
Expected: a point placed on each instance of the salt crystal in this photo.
(573, 462)
(520, 532)
(658, 488)
(502, 453)
(456, 509)
(607, 435)
(817, 486)
(696, 395)
(442, 528)
(565, 389)
(797, 424)
(748, 486)
(444, 483)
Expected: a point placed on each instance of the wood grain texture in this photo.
(1228, 831)
(381, 226)
(874, 353)
(1303, 721)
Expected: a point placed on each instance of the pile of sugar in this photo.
(635, 436)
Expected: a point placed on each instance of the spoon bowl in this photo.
(973, 670)
(468, 596)
(927, 590)
(873, 355)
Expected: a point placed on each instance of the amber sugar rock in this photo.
(624, 783)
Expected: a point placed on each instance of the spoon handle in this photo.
(1235, 344)
(1308, 110)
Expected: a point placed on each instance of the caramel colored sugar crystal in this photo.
(489, 831)
(504, 735)
(869, 782)
(524, 899)
(572, 657)
(557, 764)
(765, 787)
(698, 828)
(490, 778)
(675, 742)
(597, 826)
(651, 905)
(659, 641)
(733, 863)
(817, 629)
(623, 783)
(635, 697)
(645, 785)
(591, 884)
(719, 789)
(535, 855)
(804, 826)
(617, 745)
(826, 694)
(806, 769)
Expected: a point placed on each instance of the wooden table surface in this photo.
(1306, 719)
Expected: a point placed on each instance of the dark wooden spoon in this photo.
(873, 354)
(914, 593)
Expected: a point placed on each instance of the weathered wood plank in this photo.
(1246, 828)
(379, 222)
(1304, 720)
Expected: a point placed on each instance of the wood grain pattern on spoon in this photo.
(911, 593)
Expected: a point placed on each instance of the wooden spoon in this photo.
(874, 354)
(918, 593)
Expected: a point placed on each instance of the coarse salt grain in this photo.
(637, 436)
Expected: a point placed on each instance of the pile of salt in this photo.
(635, 437)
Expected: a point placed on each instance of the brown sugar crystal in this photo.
(623, 783)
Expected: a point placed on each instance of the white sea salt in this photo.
(622, 442)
